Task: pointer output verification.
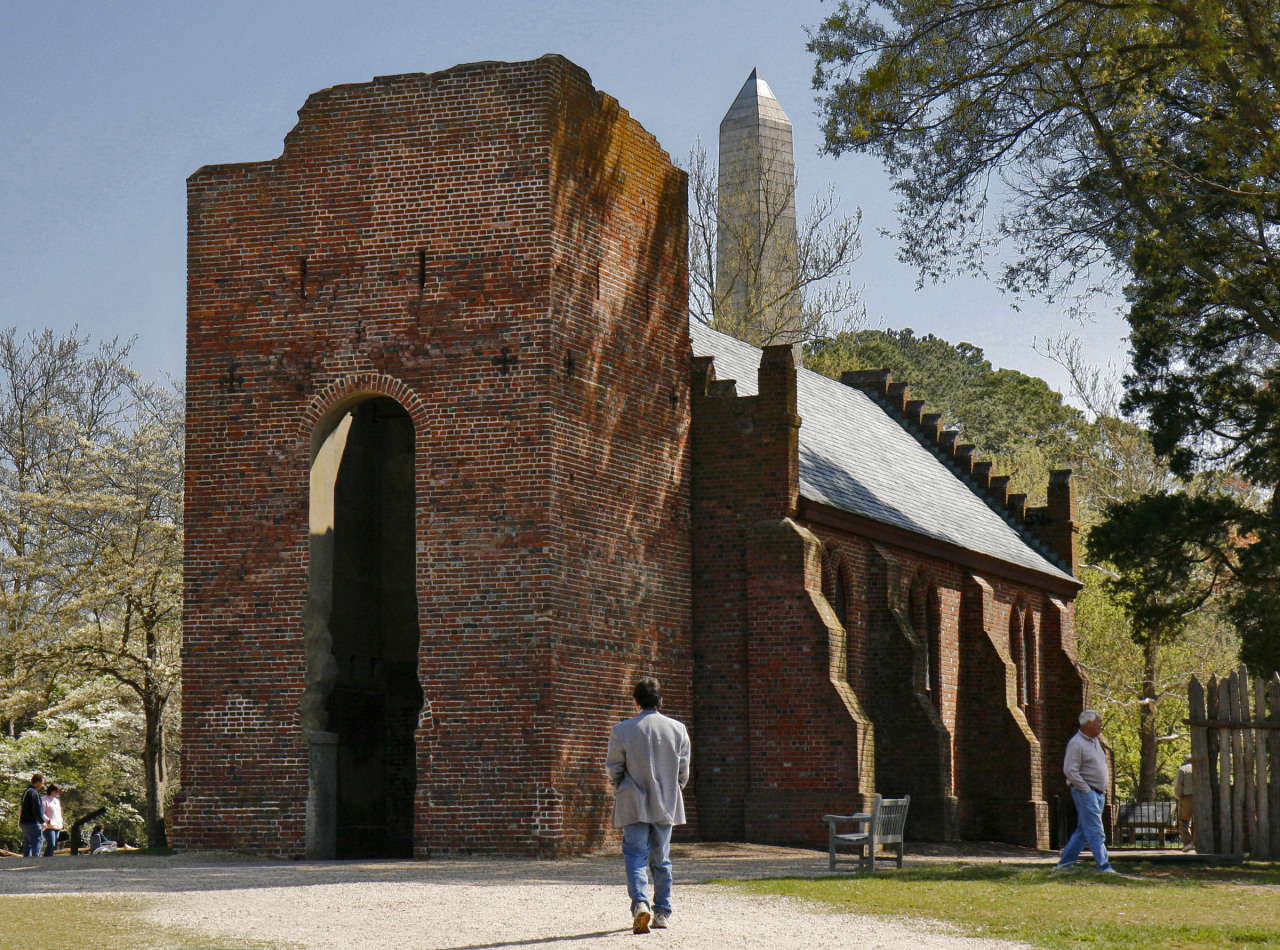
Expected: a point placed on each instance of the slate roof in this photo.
(855, 457)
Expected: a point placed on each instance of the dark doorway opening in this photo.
(376, 697)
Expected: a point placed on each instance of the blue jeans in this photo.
(51, 841)
(1088, 833)
(647, 848)
(32, 839)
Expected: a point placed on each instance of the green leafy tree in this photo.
(125, 621)
(1171, 553)
(1130, 141)
(86, 740)
(1109, 124)
(1117, 667)
(1112, 457)
(90, 545)
(58, 396)
(1254, 605)
(1139, 679)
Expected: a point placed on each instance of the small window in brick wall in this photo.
(835, 588)
(935, 645)
(1018, 651)
(922, 604)
(1030, 655)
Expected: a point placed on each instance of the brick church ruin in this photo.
(460, 471)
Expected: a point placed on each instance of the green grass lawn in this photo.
(1158, 907)
(59, 922)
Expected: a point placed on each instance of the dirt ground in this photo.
(473, 903)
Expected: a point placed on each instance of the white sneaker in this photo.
(1063, 869)
(640, 921)
(661, 920)
(1107, 871)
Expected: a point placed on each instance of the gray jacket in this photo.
(1184, 782)
(1085, 764)
(648, 765)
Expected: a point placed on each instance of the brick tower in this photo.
(438, 484)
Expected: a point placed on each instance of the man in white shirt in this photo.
(1085, 767)
(648, 766)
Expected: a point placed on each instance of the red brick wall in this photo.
(887, 665)
(501, 249)
(1064, 692)
(928, 757)
(777, 744)
(726, 501)
(621, 503)
(811, 742)
(781, 737)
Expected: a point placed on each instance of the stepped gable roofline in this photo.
(858, 456)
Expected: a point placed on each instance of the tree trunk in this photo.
(157, 776)
(1147, 720)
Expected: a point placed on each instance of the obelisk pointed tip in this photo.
(756, 99)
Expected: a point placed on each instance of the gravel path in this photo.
(477, 903)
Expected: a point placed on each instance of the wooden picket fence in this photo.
(1235, 765)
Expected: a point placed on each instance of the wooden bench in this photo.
(883, 825)
(1146, 818)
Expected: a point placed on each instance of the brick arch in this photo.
(321, 417)
(346, 391)
(1020, 617)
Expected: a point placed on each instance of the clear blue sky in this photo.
(106, 108)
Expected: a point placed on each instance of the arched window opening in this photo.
(364, 608)
(841, 604)
(1031, 656)
(919, 622)
(922, 606)
(1017, 650)
(835, 588)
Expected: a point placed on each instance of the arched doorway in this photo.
(364, 694)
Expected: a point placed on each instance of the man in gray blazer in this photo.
(648, 765)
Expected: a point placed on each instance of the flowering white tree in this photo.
(90, 542)
(127, 596)
(57, 396)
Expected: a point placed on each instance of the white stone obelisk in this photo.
(756, 270)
